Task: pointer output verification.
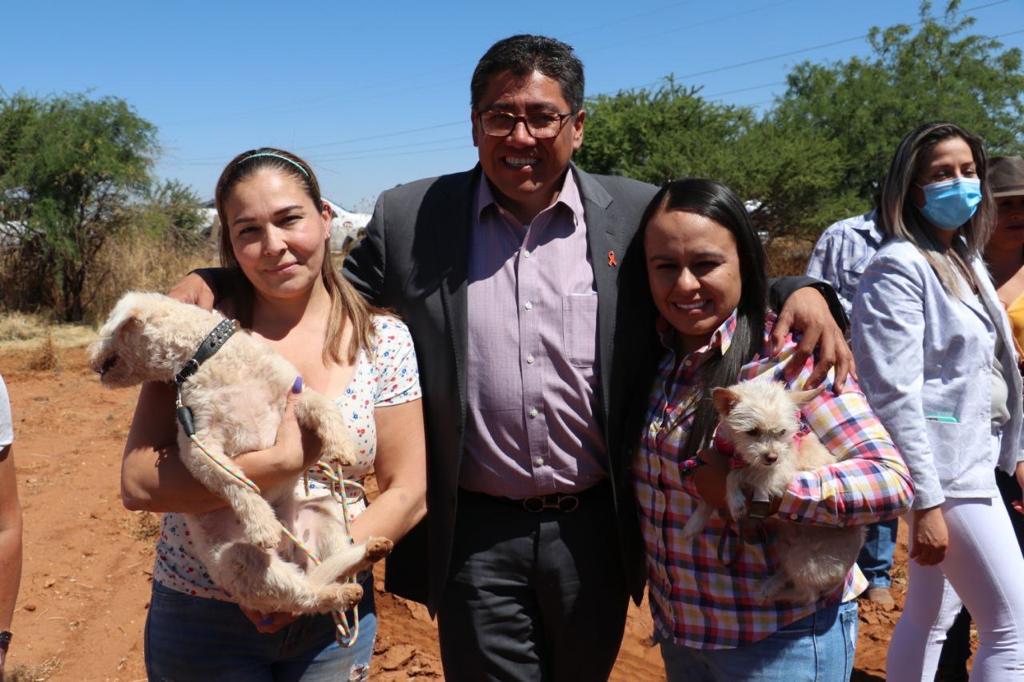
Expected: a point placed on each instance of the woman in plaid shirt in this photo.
(706, 275)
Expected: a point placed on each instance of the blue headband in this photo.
(277, 156)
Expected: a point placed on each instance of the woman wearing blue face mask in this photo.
(935, 356)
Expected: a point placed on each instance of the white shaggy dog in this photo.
(237, 398)
(758, 419)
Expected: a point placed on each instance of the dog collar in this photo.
(210, 345)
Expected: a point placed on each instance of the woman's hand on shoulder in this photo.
(931, 537)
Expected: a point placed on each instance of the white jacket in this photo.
(924, 360)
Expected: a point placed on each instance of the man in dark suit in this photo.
(507, 276)
(533, 357)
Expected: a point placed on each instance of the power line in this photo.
(399, 133)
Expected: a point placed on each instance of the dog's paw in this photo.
(338, 454)
(378, 548)
(265, 536)
(339, 596)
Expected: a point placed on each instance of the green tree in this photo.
(173, 211)
(70, 168)
(784, 172)
(939, 72)
(663, 133)
(819, 154)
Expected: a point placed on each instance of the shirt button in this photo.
(526, 254)
(533, 412)
(794, 516)
(528, 305)
(539, 461)
(529, 359)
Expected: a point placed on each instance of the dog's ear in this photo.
(724, 399)
(131, 323)
(804, 397)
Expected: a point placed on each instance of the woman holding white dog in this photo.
(275, 241)
(935, 354)
(705, 274)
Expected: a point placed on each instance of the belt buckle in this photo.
(562, 503)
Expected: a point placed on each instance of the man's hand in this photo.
(269, 623)
(806, 311)
(931, 538)
(193, 289)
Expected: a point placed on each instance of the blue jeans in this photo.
(818, 648)
(875, 559)
(190, 638)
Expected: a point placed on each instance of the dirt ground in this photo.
(88, 561)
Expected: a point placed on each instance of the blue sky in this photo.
(377, 93)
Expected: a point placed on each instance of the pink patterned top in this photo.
(387, 375)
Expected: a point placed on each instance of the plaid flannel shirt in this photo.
(704, 591)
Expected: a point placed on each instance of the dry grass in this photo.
(32, 333)
(145, 526)
(22, 326)
(34, 673)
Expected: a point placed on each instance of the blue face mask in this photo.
(951, 203)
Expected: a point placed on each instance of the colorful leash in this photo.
(346, 633)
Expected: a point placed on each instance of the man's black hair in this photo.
(522, 55)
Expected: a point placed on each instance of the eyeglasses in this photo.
(540, 125)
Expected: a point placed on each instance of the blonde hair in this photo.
(346, 302)
(900, 218)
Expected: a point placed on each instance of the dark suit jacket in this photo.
(413, 260)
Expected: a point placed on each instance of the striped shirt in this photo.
(704, 591)
(843, 252)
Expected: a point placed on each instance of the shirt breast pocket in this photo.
(579, 328)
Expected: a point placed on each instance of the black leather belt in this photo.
(559, 502)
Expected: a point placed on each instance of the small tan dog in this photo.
(758, 421)
(237, 398)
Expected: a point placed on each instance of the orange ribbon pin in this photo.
(611, 259)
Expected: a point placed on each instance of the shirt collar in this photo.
(721, 339)
(869, 227)
(568, 195)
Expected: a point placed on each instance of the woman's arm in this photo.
(401, 469)
(10, 539)
(888, 342)
(871, 483)
(153, 477)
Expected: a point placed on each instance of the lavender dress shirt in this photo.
(531, 362)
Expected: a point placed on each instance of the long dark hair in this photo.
(716, 202)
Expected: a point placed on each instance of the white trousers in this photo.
(984, 568)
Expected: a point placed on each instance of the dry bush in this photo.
(44, 357)
(141, 262)
(788, 256)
